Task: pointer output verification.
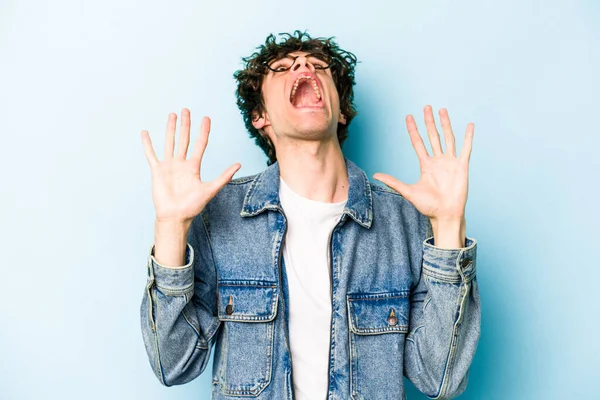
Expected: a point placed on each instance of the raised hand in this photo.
(178, 192)
(441, 192)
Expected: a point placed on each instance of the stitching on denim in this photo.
(150, 305)
(435, 274)
(212, 330)
(403, 328)
(272, 313)
(250, 283)
(369, 196)
(335, 273)
(450, 277)
(426, 303)
(354, 383)
(158, 365)
(264, 382)
(170, 291)
(380, 188)
(414, 332)
(248, 196)
(243, 179)
(379, 331)
(354, 361)
(378, 296)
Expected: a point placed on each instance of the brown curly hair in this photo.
(249, 80)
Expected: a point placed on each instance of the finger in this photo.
(448, 134)
(465, 153)
(149, 150)
(202, 140)
(184, 134)
(400, 187)
(170, 139)
(225, 177)
(434, 137)
(415, 138)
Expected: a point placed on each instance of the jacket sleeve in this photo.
(179, 311)
(445, 320)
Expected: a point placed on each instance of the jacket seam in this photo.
(170, 291)
(215, 326)
(159, 367)
(454, 338)
(449, 277)
(242, 180)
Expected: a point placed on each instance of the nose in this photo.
(302, 62)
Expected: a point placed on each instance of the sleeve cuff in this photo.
(450, 265)
(172, 280)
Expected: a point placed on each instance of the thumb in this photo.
(400, 187)
(225, 177)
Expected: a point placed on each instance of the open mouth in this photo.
(306, 92)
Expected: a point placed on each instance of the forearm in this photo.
(178, 311)
(170, 238)
(444, 321)
(176, 348)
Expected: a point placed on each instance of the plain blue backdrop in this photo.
(79, 80)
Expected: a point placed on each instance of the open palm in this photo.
(441, 192)
(178, 192)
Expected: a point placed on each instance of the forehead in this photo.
(297, 53)
(302, 53)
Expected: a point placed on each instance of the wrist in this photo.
(171, 224)
(449, 233)
(170, 238)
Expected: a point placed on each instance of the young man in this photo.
(311, 281)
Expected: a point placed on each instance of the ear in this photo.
(260, 121)
(342, 119)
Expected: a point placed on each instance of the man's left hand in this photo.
(441, 192)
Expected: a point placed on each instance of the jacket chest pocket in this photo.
(378, 325)
(243, 365)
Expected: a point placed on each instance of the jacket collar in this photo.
(263, 194)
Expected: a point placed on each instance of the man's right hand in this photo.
(178, 192)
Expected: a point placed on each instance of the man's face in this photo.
(301, 100)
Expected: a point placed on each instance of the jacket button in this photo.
(466, 262)
(392, 320)
(229, 307)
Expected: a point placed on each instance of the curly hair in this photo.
(249, 80)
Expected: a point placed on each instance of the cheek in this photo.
(273, 97)
(335, 97)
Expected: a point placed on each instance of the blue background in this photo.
(80, 80)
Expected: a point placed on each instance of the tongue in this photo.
(305, 95)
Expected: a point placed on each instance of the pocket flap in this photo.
(373, 313)
(247, 302)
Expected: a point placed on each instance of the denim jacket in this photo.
(400, 305)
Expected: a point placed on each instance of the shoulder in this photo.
(390, 207)
(229, 200)
(384, 193)
(244, 180)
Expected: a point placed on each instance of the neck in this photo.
(315, 170)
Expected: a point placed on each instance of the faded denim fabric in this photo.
(400, 305)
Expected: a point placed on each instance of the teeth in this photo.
(314, 85)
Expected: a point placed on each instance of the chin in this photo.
(312, 129)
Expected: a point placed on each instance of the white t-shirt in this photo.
(306, 253)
